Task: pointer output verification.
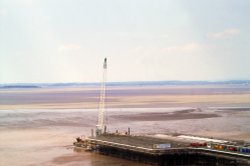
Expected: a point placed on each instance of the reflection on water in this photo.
(44, 137)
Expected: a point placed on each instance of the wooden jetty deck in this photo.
(144, 149)
(138, 144)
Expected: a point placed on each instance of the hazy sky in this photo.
(67, 40)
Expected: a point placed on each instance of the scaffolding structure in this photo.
(100, 124)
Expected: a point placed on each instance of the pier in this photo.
(157, 151)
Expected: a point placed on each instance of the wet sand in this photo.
(126, 97)
(45, 136)
(38, 126)
(167, 116)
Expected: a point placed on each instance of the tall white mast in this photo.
(100, 126)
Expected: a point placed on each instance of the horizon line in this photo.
(111, 82)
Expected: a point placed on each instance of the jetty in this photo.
(173, 151)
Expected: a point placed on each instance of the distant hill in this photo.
(18, 86)
(132, 83)
(142, 83)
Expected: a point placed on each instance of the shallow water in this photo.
(45, 136)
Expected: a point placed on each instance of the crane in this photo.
(100, 126)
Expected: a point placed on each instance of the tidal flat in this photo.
(38, 126)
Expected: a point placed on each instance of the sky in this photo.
(46, 41)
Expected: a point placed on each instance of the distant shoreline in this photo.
(131, 83)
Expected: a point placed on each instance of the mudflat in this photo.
(126, 97)
(38, 126)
